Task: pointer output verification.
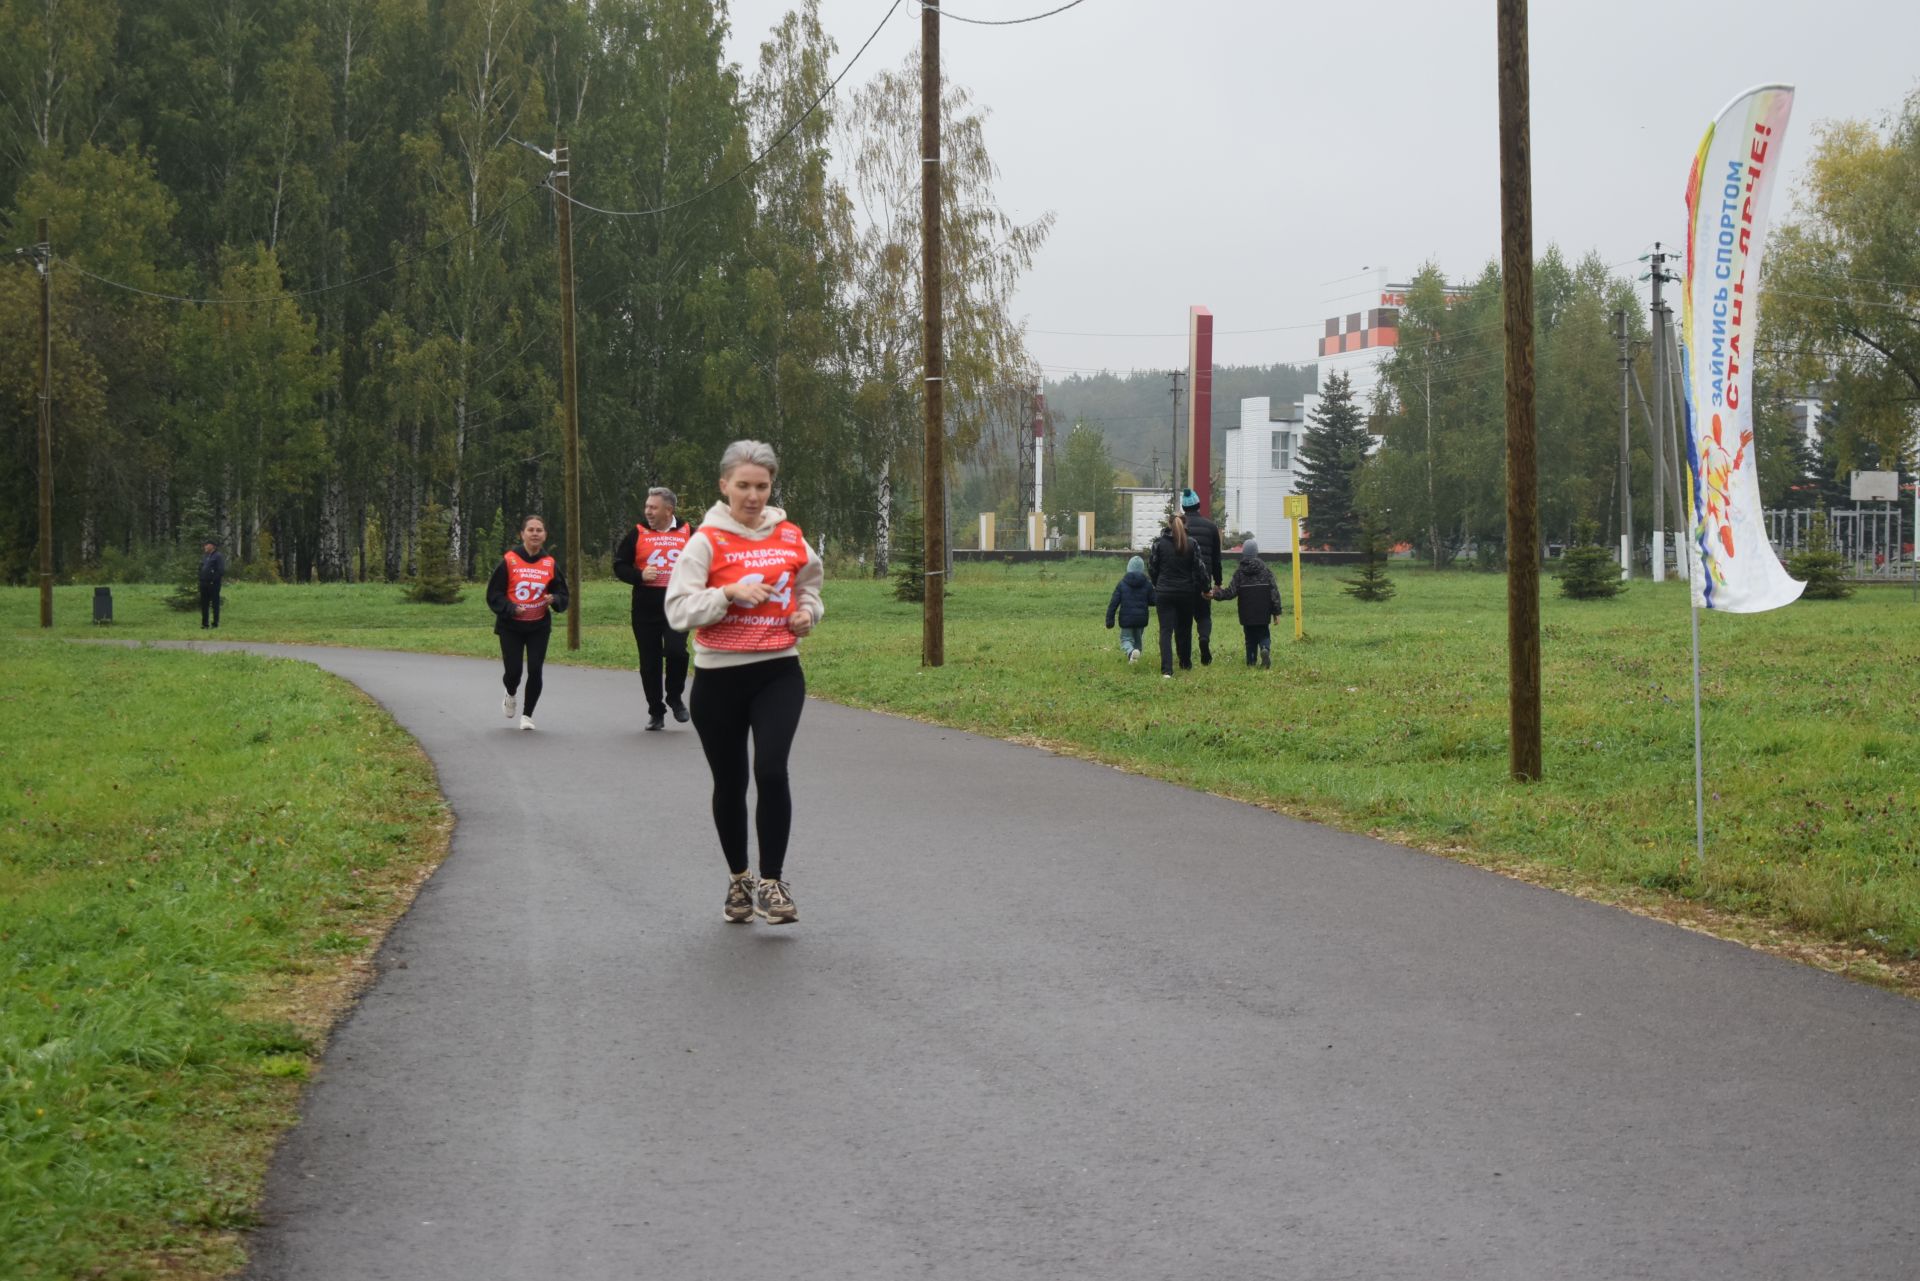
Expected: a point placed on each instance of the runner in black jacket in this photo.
(663, 651)
(1206, 537)
(526, 590)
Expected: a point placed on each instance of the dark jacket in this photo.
(1172, 573)
(503, 619)
(1206, 536)
(213, 568)
(1132, 600)
(649, 602)
(1254, 587)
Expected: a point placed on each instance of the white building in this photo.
(1147, 512)
(1261, 462)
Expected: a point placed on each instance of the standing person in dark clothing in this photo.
(1206, 537)
(1259, 596)
(213, 571)
(1178, 579)
(645, 558)
(748, 586)
(527, 589)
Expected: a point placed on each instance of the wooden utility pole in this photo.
(1523, 482)
(933, 483)
(569, 389)
(43, 250)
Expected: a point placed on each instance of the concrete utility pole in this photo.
(1523, 484)
(933, 639)
(1173, 466)
(569, 388)
(43, 251)
(1659, 275)
(1626, 453)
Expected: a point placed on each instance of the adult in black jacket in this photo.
(1206, 537)
(1174, 565)
(527, 589)
(1254, 587)
(663, 651)
(213, 570)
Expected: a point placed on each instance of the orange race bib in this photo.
(656, 550)
(527, 584)
(774, 560)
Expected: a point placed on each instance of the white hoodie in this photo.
(691, 604)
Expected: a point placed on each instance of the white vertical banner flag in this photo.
(1734, 173)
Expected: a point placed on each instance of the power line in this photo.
(766, 151)
(1000, 22)
(306, 293)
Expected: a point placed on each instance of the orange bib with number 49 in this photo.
(655, 549)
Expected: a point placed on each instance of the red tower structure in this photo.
(1200, 405)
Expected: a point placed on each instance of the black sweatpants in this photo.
(663, 654)
(1176, 627)
(730, 704)
(209, 599)
(1203, 625)
(534, 644)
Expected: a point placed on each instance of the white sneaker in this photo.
(1133, 656)
(526, 722)
(507, 705)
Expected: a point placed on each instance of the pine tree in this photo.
(434, 582)
(1589, 571)
(1819, 564)
(196, 527)
(1373, 583)
(1334, 447)
(909, 556)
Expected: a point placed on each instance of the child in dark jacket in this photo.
(1259, 595)
(1133, 602)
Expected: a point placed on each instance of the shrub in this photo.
(434, 582)
(1819, 564)
(1588, 571)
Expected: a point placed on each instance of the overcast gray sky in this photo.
(1254, 156)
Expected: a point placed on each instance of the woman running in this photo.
(748, 588)
(527, 589)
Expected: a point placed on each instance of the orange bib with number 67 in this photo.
(774, 560)
(527, 583)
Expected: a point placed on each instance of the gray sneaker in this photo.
(739, 905)
(773, 903)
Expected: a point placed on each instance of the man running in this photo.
(645, 558)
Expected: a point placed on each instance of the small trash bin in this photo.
(103, 604)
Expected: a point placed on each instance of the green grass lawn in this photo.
(196, 853)
(1390, 718)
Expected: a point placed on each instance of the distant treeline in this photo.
(1135, 413)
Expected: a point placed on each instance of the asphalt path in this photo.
(1041, 1019)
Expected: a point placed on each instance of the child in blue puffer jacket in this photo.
(1133, 602)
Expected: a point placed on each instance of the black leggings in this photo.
(763, 700)
(1176, 627)
(512, 642)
